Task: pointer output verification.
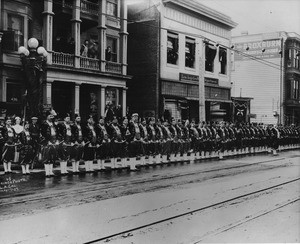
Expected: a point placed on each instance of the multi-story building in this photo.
(266, 69)
(179, 60)
(75, 81)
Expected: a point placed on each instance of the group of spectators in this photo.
(131, 141)
(88, 49)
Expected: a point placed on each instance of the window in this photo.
(223, 60)
(13, 37)
(210, 54)
(111, 49)
(112, 8)
(189, 52)
(293, 89)
(295, 61)
(13, 91)
(172, 48)
(289, 57)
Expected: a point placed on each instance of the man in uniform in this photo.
(104, 149)
(34, 131)
(135, 144)
(90, 140)
(117, 140)
(67, 143)
(78, 143)
(50, 144)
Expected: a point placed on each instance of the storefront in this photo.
(217, 101)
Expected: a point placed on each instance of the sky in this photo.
(258, 16)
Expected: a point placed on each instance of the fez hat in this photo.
(33, 118)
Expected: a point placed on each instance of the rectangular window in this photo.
(294, 89)
(295, 61)
(172, 48)
(189, 52)
(210, 54)
(297, 66)
(111, 49)
(13, 91)
(223, 60)
(14, 36)
(112, 8)
(289, 57)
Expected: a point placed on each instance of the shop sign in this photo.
(271, 49)
(211, 81)
(188, 77)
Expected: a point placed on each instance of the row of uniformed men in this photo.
(111, 145)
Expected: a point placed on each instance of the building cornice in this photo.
(203, 10)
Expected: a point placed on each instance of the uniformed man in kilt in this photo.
(78, 143)
(104, 150)
(90, 139)
(117, 139)
(27, 152)
(67, 149)
(135, 146)
(50, 143)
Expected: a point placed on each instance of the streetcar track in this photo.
(129, 231)
(103, 185)
(247, 219)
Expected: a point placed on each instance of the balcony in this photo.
(89, 7)
(86, 7)
(68, 60)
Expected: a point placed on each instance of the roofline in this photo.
(204, 10)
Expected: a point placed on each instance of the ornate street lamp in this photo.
(34, 63)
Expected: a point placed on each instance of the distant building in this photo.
(266, 68)
(76, 80)
(179, 60)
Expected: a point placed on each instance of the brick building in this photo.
(73, 82)
(266, 68)
(178, 60)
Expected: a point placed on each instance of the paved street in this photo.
(234, 200)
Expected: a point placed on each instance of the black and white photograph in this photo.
(149, 121)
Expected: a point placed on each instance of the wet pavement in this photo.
(17, 184)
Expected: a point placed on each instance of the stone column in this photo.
(123, 37)
(201, 84)
(102, 103)
(47, 94)
(102, 33)
(124, 101)
(76, 31)
(77, 98)
(48, 27)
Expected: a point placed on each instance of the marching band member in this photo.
(90, 139)
(26, 150)
(103, 150)
(135, 144)
(118, 142)
(78, 143)
(50, 144)
(66, 148)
